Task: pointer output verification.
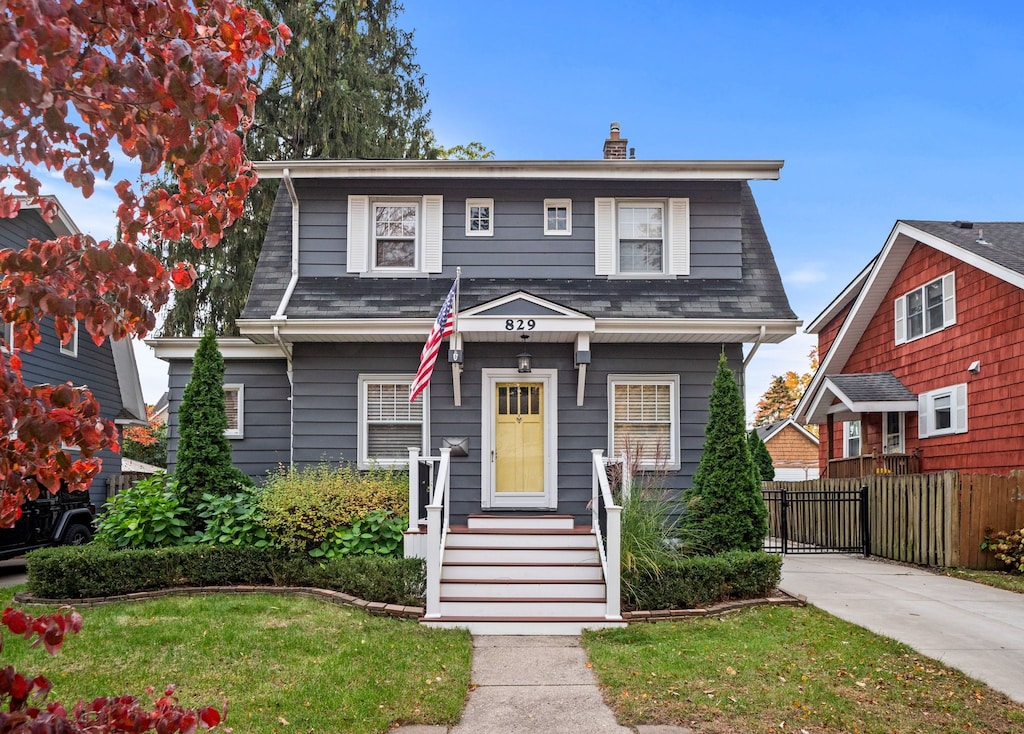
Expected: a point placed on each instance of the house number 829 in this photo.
(520, 324)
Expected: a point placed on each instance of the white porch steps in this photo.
(522, 575)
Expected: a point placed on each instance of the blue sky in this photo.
(881, 111)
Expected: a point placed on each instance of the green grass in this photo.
(785, 669)
(281, 663)
(1000, 579)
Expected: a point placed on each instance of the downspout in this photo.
(287, 177)
(280, 314)
(753, 350)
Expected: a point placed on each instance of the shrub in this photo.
(379, 533)
(1007, 547)
(69, 572)
(204, 452)
(686, 583)
(725, 506)
(760, 456)
(303, 508)
(145, 515)
(233, 519)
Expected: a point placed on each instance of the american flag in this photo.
(443, 326)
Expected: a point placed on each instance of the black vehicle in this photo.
(64, 518)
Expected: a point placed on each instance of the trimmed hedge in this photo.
(688, 583)
(76, 572)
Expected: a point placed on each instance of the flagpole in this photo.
(458, 292)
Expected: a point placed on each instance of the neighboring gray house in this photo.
(624, 280)
(109, 371)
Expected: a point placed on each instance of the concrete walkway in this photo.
(975, 628)
(534, 684)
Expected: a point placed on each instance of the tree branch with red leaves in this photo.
(168, 82)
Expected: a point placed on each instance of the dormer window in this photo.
(394, 235)
(646, 238)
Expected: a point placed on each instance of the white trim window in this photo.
(234, 409)
(892, 425)
(851, 439)
(8, 345)
(926, 310)
(71, 348)
(942, 412)
(643, 420)
(395, 237)
(388, 423)
(642, 238)
(558, 216)
(479, 217)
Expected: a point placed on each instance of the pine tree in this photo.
(348, 87)
(204, 452)
(724, 508)
(760, 456)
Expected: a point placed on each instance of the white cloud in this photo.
(807, 275)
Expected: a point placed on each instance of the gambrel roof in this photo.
(758, 297)
(996, 248)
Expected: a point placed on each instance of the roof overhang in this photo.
(62, 225)
(745, 170)
(168, 348)
(557, 328)
(822, 404)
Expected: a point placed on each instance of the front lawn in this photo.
(787, 669)
(999, 579)
(281, 663)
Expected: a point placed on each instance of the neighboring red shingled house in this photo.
(923, 355)
(794, 450)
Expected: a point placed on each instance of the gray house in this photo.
(594, 301)
(109, 371)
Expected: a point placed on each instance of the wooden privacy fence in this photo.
(930, 519)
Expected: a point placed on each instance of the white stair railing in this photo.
(611, 550)
(438, 514)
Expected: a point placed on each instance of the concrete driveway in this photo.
(974, 628)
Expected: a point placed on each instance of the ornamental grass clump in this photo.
(303, 508)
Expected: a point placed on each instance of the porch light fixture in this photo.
(524, 358)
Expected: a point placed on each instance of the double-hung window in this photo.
(926, 310)
(393, 236)
(642, 238)
(389, 423)
(643, 420)
(851, 438)
(942, 412)
(71, 348)
(234, 397)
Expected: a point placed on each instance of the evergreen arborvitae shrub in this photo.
(760, 456)
(724, 508)
(204, 452)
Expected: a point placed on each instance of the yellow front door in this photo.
(519, 437)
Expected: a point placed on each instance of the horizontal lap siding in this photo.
(990, 328)
(326, 387)
(266, 416)
(518, 248)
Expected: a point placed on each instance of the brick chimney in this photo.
(614, 146)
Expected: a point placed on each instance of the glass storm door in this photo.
(518, 438)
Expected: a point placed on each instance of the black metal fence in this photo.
(817, 521)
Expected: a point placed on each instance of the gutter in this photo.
(287, 177)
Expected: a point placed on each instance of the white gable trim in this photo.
(886, 268)
(789, 422)
(483, 308)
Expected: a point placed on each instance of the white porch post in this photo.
(414, 489)
(433, 561)
(614, 550)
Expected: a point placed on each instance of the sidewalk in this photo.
(534, 684)
(975, 628)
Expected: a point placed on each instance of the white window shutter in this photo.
(948, 300)
(960, 407)
(679, 236)
(901, 320)
(604, 236)
(358, 234)
(432, 215)
(923, 411)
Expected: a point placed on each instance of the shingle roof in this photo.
(872, 387)
(759, 294)
(1000, 242)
